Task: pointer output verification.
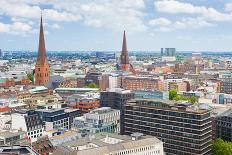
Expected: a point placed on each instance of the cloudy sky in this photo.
(98, 24)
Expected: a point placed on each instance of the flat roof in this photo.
(173, 105)
(78, 89)
(38, 88)
(17, 149)
(97, 139)
(6, 134)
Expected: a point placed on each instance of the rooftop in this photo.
(227, 113)
(104, 143)
(76, 89)
(167, 104)
(103, 110)
(38, 88)
(6, 134)
(15, 149)
(118, 90)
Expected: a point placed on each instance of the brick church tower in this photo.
(41, 66)
(124, 58)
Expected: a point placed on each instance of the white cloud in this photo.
(4, 27)
(228, 7)
(17, 28)
(184, 23)
(173, 6)
(193, 23)
(23, 9)
(55, 26)
(125, 14)
(160, 22)
(114, 14)
(52, 14)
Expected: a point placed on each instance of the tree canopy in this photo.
(92, 85)
(221, 147)
(30, 76)
(172, 94)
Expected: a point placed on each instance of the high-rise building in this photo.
(41, 66)
(226, 85)
(185, 129)
(1, 53)
(124, 58)
(116, 99)
(223, 125)
(115, 81)
(168, 52)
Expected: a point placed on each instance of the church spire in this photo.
(124, 53)
(41, 50)
(42, 71)
(124, 46)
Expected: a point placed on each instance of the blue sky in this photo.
(98, 24)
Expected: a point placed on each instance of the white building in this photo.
(115, 81)
(4, 119)
(113, 144)
(168, 58)
(28, 121)
(102, 119)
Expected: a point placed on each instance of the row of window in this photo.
(35, 132)
(40, 74)
(138, 150)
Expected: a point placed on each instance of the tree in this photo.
(172, 94)
(92, 85)
(220, 147)
(192, 99)
(30, 76)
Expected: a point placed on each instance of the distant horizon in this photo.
(105, 51)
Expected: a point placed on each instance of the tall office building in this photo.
(42, 66)
(184, 128)
(223, 125)
(1, 53)
(116, 99)
(168, 52)
(226, 85)
(124, 63)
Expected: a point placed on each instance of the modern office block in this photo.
(184, 128)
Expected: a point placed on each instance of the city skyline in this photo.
(88, 25)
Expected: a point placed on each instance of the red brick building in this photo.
(141, 83)
(42, 66)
